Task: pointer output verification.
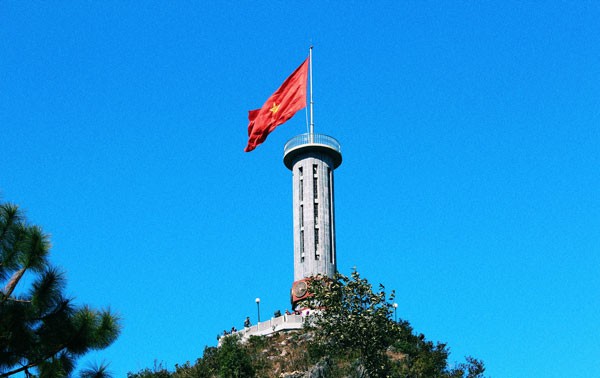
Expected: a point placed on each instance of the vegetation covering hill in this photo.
(353, 335)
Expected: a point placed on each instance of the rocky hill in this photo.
(351, 335)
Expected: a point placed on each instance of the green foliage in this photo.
(230, 360)
(96, 371)
(40, 329)
(354, 327)
(158, 371)
(353, 321)
(351, 334)
(234, 361)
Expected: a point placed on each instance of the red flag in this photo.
(281, 106)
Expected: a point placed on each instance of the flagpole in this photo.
(312, 123)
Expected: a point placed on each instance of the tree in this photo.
(353, 321)
(233, 359)
(96, 371)
(353, 325)
(41, 329)
(159, 371)
(230, 360)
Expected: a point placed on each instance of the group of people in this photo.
(287, 312)
(225, 333)
(248, 323)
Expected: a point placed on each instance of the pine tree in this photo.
(40, 329)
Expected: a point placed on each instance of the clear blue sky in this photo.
(470, 181)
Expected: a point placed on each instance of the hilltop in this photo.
(353, 335)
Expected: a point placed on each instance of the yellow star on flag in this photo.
(275, 108)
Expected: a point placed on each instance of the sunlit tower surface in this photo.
(312, 158)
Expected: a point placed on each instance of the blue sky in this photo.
(471, 147)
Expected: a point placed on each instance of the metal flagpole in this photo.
(312, 123)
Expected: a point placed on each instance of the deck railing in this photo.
(281, 323)
(312, 139)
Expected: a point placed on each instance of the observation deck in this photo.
(274, 325)
(311, 143)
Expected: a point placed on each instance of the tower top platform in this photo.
(304, 143)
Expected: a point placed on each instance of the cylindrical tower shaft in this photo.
(312, 159)
(314, 226)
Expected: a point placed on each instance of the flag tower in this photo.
(312, 158)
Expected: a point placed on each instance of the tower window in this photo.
(301, 216)
(315, 186)
(316, 214)
(317, 256)
(301, 246)
(301, 182)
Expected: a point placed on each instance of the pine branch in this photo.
(35, 363)
(12, 283)
(18, 300)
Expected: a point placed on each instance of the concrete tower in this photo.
(312, 159)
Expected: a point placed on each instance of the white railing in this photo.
(273, 325)
(312, 139)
